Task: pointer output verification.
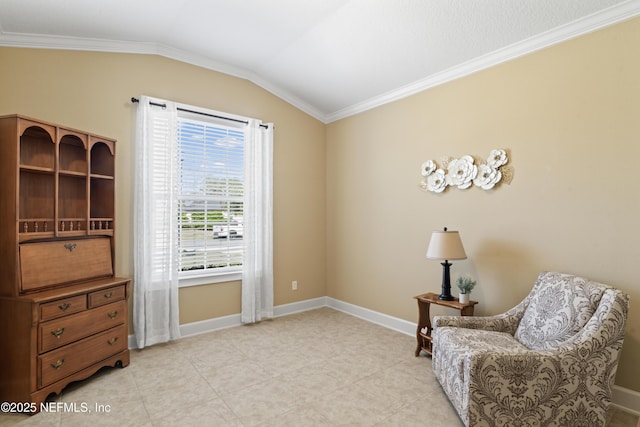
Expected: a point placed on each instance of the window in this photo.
(198, 173)
(210, 198)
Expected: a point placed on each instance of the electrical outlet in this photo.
(294, 285)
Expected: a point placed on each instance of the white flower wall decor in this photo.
(461, 172)
(464, 172)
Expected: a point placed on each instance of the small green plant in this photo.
(465, 284)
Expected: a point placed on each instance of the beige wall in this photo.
(92, 91)
(570, 117)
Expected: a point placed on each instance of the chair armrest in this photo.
(605, 329)
(505, 322)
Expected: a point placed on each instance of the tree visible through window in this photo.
(210, 198)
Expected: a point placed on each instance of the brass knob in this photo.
(64, 306)
(58, 364)
(113, 340)
(113, 314)
(108, 295)
(57, 332)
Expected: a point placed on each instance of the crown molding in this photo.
(204, 62)
(588, 24)
(596, 21)
(38, 41)
(288, 97)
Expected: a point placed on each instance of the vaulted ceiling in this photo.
(330, 58)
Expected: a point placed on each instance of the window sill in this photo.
(210, 279)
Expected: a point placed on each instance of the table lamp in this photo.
(446, 245)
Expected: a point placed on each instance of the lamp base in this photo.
(446, 283)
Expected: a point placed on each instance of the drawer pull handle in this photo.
(58, 364)
(64, 306)
(113, 314)
(57, 332)
(108, 295)
(113, 340)
(70, 246)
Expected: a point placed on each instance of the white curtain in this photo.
(155, 234)
(257, 271)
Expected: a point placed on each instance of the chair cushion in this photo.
(560, 305)
(455, 347)
(476, 340)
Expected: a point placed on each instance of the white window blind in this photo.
(210, 197)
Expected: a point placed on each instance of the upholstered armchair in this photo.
(549, 361)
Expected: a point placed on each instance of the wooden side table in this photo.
(424, 320)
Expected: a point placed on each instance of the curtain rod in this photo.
(136, 100)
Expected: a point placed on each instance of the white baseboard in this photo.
(300, 306)
(209, 325)
(398, 325)
(624, 398)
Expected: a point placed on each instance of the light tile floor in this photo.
(317, 368)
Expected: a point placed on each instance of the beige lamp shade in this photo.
(446, 245)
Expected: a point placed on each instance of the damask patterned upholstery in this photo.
(549, 361)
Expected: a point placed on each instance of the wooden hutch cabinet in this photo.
(63, 314)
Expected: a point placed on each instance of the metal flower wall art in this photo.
(465, 172)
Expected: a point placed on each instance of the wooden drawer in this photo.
(64, 361)
(51, 263)
(63, 307)
(106, 296)
(59, 332)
